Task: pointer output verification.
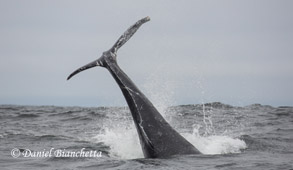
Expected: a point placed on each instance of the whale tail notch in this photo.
(113, 51)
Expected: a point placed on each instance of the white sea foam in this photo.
(215, 144)
(123, 141)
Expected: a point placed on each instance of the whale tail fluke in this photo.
(113, 51)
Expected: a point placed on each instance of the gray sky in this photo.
(234, 52)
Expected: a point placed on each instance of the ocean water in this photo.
(42, 137)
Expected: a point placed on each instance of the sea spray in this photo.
(119, 133)
(214, 144)
(123, 142)
(160, 91)
(207, 120)
(208, 140)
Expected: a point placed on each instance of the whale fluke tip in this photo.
(71, 75)
(145, 19)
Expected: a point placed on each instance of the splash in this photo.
(215, 144)
(209, 142)
(160, 90)
(119, 133)
(123, 141)
(207, 120)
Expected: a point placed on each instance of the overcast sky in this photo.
(234, 52)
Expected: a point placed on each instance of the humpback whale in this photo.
(157, 138)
